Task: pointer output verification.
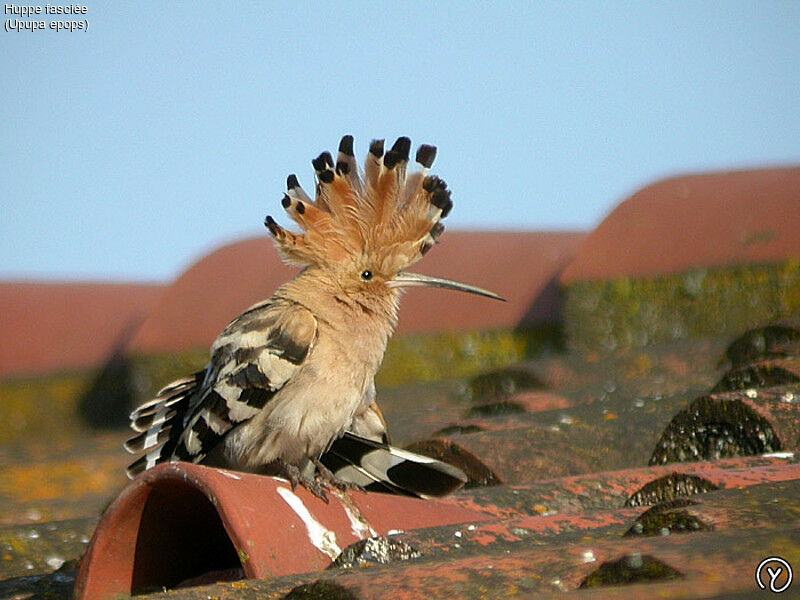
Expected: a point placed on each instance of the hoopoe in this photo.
(289, 389)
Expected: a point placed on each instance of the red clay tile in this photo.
(196, 307)
(751, 421)
(540, 401)
(708, 564)
(707, 220)
(613, 489)
(178, 521)
(53, 326)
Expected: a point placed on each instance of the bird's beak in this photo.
(406, 279)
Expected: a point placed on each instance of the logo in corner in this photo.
(775, 574)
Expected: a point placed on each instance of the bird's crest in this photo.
(382, 212)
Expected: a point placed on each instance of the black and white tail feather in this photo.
(159, 423)
(379, 467)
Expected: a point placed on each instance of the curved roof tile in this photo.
(706, 220)
(53, 326)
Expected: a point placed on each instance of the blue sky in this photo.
(168, 129)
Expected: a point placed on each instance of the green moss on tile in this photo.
(630, 312)
(40, 404)
(430, 357)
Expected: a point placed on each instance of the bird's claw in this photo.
(320, 484)
(295, 477)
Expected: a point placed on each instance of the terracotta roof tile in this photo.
(52, 326)
(196, 307)
(707, 220)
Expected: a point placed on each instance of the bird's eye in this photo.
(366, 275)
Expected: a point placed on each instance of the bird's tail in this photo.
(382, 468)
(159, 423)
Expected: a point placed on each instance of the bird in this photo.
(289, 389)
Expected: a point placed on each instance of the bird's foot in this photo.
(295, 477)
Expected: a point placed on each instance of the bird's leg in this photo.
(326, 476)
(291, 472)
(295, 477)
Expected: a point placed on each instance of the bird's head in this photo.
(363, 230)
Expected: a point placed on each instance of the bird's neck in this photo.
(374, 314)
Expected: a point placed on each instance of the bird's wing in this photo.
(250, 361)
(368, 422)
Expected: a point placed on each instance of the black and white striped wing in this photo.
(250, 361)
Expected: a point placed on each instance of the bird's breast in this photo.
(314, 407)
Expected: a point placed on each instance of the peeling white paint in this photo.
(358, 524)
(323, 539)
(230, 475)
(779, 455)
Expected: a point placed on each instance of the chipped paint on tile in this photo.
(779, 455)
(358, 524)
(322, 538)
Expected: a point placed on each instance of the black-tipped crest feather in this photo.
(346, 145)
(426, 155)
(376, 148)
(402, 147)
(389, 216)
